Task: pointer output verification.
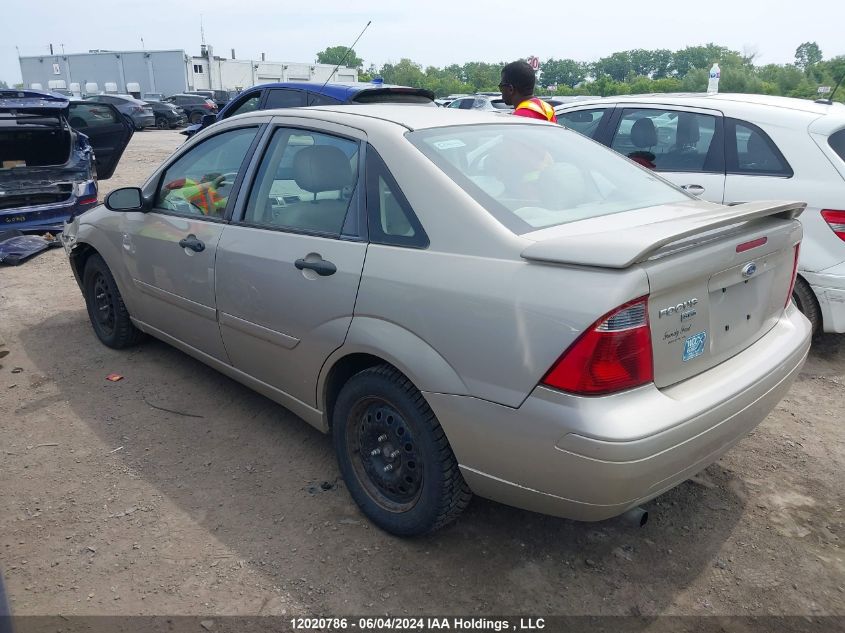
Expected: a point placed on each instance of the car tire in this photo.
(805, 300)
(162, 123)
(196, 117)
(394, 455)
(106, 310)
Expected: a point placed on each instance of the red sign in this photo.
(534, 62)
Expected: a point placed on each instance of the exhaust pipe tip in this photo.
(636, 517)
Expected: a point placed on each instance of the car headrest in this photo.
(688, 130)
(321, 168)
(643, 133)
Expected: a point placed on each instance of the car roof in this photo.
(718, 100)
(343, 91)
(408, 116)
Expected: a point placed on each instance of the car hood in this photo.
(33, 102)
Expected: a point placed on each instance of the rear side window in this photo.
(315, 99)
(390, 217)
(306, 183)
(284, 99)
(584, 122)
(669, 140)
(752, 152)
(837, 143)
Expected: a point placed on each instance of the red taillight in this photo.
(836, 221)
(794, 275)
(611, 355)
(208, 106)
(90, 200)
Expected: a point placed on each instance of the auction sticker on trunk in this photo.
(694, 346)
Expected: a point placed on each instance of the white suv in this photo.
(733, 148)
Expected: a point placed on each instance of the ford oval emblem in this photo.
(749, 269)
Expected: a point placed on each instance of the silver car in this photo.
(468, 304)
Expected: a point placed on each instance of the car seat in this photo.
(320, 169)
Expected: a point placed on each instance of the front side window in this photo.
(584, 122)
(248, 105)
(756, 153)
(530, 177)
(306, 182)
(200, 181)
(285, 99)
(667, 140)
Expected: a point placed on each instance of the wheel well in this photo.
(79, 257)
(341, 372)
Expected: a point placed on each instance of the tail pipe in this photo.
(636, 517)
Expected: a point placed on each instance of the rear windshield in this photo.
(534, 176)
(837, 142)
(382, 96)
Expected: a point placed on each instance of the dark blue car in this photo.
(300, 94)
(52, 152)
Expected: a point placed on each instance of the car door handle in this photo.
(320, 266)
(192, 242)
(695, 190)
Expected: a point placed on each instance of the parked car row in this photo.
(166, 113)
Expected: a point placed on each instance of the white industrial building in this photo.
(165, 71)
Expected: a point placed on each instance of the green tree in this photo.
(563, 72)
(617, 66)
(3, 85)
(334, 55)
(807, 55)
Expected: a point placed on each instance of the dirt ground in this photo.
(111, 503)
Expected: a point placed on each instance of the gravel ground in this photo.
(178, 491)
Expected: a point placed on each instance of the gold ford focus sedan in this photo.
(467, 302)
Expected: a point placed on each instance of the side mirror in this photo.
(125, 199)
(208, 119)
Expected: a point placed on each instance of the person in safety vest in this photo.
(202, 194)
(517, 88)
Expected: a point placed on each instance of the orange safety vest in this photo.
(202, 195)
(540, 107)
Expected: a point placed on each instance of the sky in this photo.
(436, 32)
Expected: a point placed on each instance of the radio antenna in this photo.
(345, 55)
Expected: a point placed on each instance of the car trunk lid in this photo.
(719, 277)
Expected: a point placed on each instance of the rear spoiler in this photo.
(620, 249)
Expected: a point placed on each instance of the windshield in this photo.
(535, 176)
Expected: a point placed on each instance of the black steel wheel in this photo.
(196, 117)
(106, 310)
(162, 123)
(805, 300)
(394, 456)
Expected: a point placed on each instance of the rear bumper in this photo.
(594, 458)
(829, 286)
(48, 217)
